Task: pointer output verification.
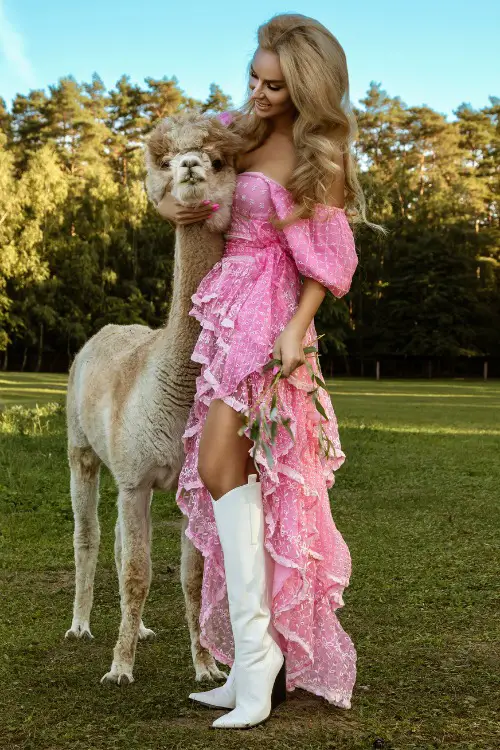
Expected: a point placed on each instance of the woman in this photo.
(275, 565)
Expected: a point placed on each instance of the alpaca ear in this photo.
(158, 139)
(227, 139)
(232, 143)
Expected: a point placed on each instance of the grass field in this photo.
(417, 503)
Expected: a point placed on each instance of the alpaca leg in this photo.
(134, 518)
(144, 632)
(84, 488)
(191, 580)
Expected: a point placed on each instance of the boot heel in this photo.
(278, 694)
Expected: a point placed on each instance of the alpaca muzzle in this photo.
(191, 169)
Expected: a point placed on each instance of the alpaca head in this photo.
(192, 156)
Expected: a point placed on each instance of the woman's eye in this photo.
(272, 88)
(217, 164)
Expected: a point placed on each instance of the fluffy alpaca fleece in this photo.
(130, 389)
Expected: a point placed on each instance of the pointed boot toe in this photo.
(219, 697)
(250, 709)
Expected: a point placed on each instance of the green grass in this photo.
(417, 503)
(28, 388)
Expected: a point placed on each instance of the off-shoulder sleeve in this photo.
(323, 246)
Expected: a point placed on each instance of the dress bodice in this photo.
(252, 197)
(251, 210)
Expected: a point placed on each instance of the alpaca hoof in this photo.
(145, 634)
(117, 678)
(217, 673)
(124, 679)
(79, 631)
(206, 669)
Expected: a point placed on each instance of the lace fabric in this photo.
(242, 304)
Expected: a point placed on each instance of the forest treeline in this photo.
(81, 247)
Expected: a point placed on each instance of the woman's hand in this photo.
(170, 208)
(288, 348)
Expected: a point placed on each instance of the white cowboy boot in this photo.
(225, 695)
(259, 664)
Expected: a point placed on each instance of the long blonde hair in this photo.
(315, 70)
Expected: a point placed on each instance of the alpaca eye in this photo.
(165, 165)
(217, 165)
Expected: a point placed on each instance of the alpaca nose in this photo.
(189, 162)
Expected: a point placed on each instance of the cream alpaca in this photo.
(129, 393)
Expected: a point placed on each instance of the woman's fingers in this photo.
(194, 219)
(289, 365)
(190, 219)
(190, 215)
(170, 208)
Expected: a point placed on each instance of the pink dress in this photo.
(243, 303)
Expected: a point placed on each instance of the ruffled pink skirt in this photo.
(312, 561)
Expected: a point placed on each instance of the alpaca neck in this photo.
(197, 250)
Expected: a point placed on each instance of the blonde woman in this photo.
(275, 565)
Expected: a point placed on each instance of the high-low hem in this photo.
(255, 382)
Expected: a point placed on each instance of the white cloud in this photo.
(12, 49)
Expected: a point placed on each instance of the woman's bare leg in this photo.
(223, 458)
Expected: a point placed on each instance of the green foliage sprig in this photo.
(263, 429)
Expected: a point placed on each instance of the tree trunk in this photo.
(25, 357)
(40, 350)
(5, 358)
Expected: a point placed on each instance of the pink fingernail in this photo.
(205, 203)
(215, 206)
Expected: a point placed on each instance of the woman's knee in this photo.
(209, 468)
(219, 475)
(222, 454)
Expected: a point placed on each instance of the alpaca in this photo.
(130, 389)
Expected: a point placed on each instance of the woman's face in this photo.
(270, 94)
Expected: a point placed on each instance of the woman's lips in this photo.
(262, 106)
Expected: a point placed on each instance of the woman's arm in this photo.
(288, 346)
(311, 297)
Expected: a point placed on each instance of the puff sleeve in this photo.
(323, 246)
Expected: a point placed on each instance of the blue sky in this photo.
(439, 53)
